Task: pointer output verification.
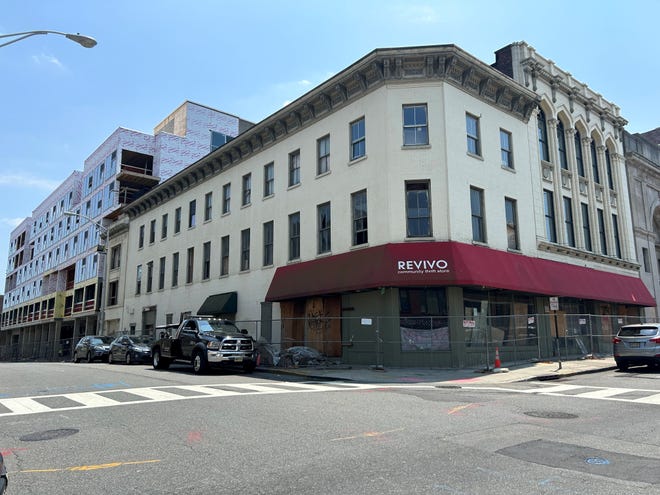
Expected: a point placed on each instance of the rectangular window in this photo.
(418, 209)
(218, 139)
(359, 217)
(150, 276)
(269, 179)
(511, 211)
(415, 125)
(190, 265)
(152, 232)
(586, 227)
(113, 293)
(477, 212)
(269, 233)
(177, 220)
(175, 269)
(646, 260)
(549, 211)
(568, 222)
(226, 198)
(358, 139)
(542, 130)
(294, 236)
(615, 231)
(323, 227)
(206, 260)
(161, 274)
(247, 190)
(323, 155)
(294, 168)
(245, 249)
(506, 151)
(115, 257)
(602, 234)
(163, 227)
(224, 255)
(141, 237)
(472, 130)
(138, 279)
(208, 206)
(192, 213)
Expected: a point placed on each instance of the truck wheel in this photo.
(158, 361)
(199, 363)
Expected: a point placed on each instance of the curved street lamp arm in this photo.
(82, 40)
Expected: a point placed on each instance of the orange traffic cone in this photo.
(498, 364)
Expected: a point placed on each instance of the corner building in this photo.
(400, 213)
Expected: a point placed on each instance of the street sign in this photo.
(554, 304)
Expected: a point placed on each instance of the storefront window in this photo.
(423, 320)
(500, 321)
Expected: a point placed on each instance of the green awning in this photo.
(219, 305)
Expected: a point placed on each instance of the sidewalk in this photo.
(545, 370)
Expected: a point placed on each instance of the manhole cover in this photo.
(551, 415)
(49, 434)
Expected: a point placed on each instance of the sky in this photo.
(60, 101)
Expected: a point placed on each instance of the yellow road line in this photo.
(91, 467)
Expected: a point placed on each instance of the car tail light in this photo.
(655, 340)
(616, 340)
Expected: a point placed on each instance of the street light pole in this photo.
(102, 249)
(81, 39)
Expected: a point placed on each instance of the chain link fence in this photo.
(423, 342)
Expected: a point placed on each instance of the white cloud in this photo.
(44, 59)
(26, 181)
(11, 222)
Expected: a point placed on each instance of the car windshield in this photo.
(637, 331)
(217, 326)
(142, 340)
(100, 340)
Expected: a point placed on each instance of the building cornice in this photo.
(446, 63)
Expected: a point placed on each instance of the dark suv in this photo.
(91, 348)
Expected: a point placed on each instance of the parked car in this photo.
(3, 475)
(130, 349)
(91, 348)
(637, 345)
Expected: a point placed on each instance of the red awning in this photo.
(450, 263)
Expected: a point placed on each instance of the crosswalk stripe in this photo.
(24, 405)
(604, 393)
(651, 399)
(91, 399)
(31, 405)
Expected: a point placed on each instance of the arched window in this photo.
(608, 165)
(543, 136)
(594, 162)
(561, 145)
(578, 153)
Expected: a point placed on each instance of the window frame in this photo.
(323, 155)
(226, 198)
(245, 250)
(550, 216)
(569, 224)
(269, 179)
(542, 136)
(418, 128)
(506, 149)
(511, 219)
(192, 213)
(478, 215)
(224, 255)
(175, 269)
(473, 136)
(206, 260)
(208, 206)
(360, 224)
(268, 243)
(190, 265)
(246, 192)
(358, 139)
(294, 168)
(419, 216)
(294, 236)
(323, 228)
